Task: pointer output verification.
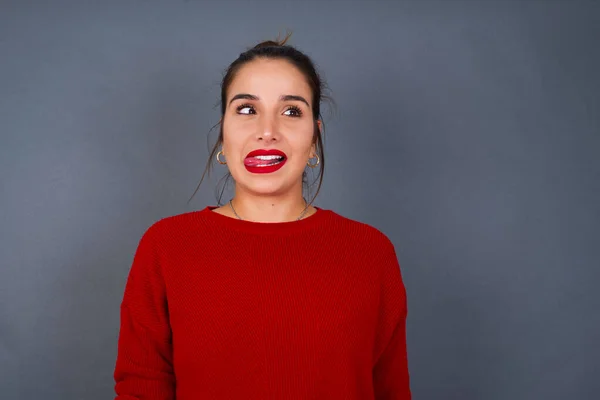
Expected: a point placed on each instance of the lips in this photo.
(264, 161)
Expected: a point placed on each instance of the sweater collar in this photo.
(306, 224)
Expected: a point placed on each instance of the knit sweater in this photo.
(222, 308)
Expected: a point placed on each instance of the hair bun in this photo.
(274, 43)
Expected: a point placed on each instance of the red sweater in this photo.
(222, 308)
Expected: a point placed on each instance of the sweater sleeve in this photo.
(144, 367)
(390, 372)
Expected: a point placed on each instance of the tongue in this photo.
(255, 162)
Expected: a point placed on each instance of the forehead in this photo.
(269, 79)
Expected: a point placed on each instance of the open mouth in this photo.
(263, 161)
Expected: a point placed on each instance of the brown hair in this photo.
(277, 49)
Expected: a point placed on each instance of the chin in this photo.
(265, 186)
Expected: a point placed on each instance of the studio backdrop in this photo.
(466, 131)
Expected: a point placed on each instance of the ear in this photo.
(313, 148)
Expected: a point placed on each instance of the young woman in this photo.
(268, 296)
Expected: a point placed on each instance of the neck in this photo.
(258, 208)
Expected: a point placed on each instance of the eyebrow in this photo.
(286, 97)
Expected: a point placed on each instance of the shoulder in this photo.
(361, 231)
(172, 225)
(367, 242)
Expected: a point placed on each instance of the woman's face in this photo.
(269, 109)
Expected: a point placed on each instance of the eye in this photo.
(244, 107)
(296, 111)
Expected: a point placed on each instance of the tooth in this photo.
(270, 157)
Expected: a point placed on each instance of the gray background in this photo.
(467, 131)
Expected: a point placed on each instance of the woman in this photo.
(268, 296)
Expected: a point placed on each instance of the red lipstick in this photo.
(264, 161)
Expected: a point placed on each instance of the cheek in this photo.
(234, 137)
(302, 138)
(301, 152)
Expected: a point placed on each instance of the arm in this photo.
(390, 372)
(144, 369)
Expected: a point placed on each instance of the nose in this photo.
(268, 129)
